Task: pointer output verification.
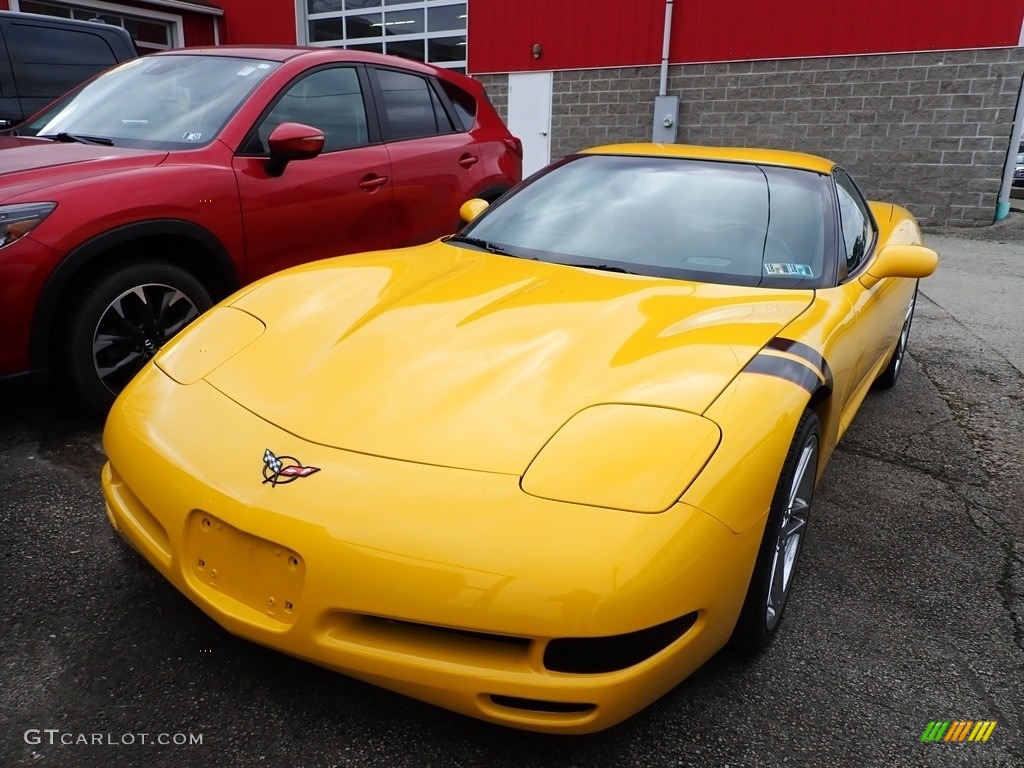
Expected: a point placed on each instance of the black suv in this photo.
(43, 57)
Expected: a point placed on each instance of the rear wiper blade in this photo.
(603, 268)
(487, 245)
(78, 138)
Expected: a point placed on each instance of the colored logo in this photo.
(958, 730)
(277, 472)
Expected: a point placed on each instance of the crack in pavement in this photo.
(978, 416)
(999, 532)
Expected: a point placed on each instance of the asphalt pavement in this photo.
(908, 607)
(981, 286)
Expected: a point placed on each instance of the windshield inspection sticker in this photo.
(192, 136)
(789, 270)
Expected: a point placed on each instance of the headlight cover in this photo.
(16, 221)
(213, 339)
(636, 458)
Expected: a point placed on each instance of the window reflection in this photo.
(446, 17)
(425, 30)
(447, 49)
(404, 22)
(324, 6)
(367, 25)
(408, 49)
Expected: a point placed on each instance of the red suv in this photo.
(133, 203)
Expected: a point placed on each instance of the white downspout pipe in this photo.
(1003, 202)
(663, 85)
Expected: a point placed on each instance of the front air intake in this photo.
(536, 705)
(594, 655)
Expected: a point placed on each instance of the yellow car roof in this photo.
(733, 154)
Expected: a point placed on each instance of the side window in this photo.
(412, 107)
(47, 62)
(855, 220)
(464, 103)
(329, 99)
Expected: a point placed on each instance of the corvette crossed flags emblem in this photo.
(277, 472)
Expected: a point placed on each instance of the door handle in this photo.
(468, 161)
(370, 183)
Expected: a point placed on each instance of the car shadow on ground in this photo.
(62, 431)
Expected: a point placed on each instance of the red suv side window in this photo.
(411, 106)
(330, 100)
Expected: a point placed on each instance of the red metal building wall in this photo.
(257, 22)
(580, 34)
(199, 30)
(799, 28)
(572, 33)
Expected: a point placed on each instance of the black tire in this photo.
(888, 377)
(118, 321)
(777, 558)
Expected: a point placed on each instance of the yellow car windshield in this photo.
(713, 221)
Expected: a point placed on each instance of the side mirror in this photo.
(292, 141)
(472, 208)
(900, 261)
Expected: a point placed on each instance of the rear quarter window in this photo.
(464, 104)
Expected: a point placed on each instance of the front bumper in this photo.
(442, 584)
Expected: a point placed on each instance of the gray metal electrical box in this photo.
(666, 119)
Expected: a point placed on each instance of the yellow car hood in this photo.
(449, 356)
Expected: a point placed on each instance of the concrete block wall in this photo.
(928, 130)
(497, 90)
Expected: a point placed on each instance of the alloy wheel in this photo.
(901, 346)
(791, 529)
(133, 327)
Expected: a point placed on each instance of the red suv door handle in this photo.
(370, 183)
(468, 161)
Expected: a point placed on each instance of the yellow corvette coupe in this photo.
(541, 470)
